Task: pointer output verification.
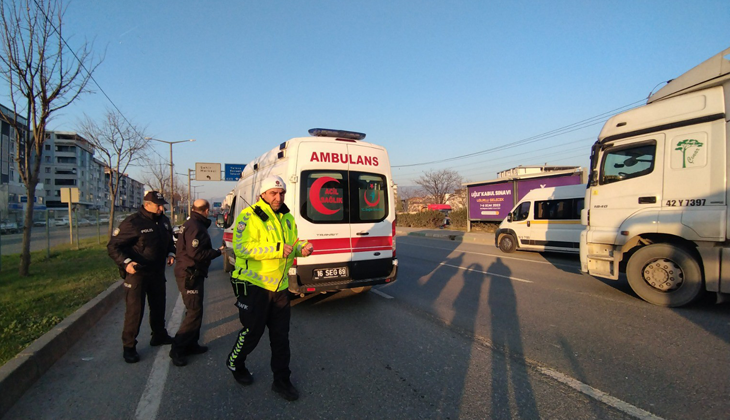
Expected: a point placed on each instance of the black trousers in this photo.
(189, 332)
(137, 288)
(258, 309)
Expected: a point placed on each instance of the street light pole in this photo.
(172, 175)
(190, 208)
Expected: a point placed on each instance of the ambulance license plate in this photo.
(330, 273)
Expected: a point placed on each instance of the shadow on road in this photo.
(509, 371)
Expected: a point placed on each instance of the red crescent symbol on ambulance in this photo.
(314, 195)
(365, 196)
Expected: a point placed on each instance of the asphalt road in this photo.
(465, 332)
(41, 239)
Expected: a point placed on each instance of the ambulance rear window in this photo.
(324, 196)
(371, 197)
(343, 197)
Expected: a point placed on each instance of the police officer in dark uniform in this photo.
(194, 254)
(141, 246)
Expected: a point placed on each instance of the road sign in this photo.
(69, 195)
(233, 171)
(207, 171)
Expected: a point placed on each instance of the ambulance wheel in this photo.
(363, 289)
(665, 275)
(507, 243)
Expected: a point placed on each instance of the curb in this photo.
(22, 371)
(482, 238)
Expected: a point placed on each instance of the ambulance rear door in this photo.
(323, 209)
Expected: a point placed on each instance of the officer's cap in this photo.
(155, 197)
(270, 182)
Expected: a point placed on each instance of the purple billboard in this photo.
(526, 185)
(490, 201)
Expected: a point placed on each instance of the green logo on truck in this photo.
(686, 145)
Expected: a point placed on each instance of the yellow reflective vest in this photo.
(259, 245)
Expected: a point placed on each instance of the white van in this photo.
(340, 191)
(546, 219)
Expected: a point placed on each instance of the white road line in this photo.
(149, 402)
(487, 272)
(599, 395)
(500, 256)
(379, 293)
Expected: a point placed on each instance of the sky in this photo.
(429, 80)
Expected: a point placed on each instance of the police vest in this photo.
(259, 246)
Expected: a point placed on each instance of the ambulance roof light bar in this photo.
(327, 132)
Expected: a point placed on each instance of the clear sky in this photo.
(428, 80)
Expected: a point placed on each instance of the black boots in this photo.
(160, 339)
(131, 355)
(196, 349)
(178, 357)
(285, 388)
(243, 376)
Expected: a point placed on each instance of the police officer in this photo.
(194, 254)
(141, 246)
(265, 242)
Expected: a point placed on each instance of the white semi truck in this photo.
(656, 205)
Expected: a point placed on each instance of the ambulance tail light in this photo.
(392, 238)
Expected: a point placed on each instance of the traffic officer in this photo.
(141, 246)
(265, 242)
(194, 254)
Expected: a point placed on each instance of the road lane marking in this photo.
(487, 272)
(379, 293)
(149, 402)
(599, 395)
(500, 256)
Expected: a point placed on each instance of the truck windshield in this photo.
(623, 163)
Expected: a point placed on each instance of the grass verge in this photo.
(58, 286)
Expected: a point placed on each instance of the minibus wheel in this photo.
(665, 275)
(507, 243)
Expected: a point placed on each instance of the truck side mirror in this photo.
(220, 220)
(509, 217)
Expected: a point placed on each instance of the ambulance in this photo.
(340, 191)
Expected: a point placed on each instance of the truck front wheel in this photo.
(665, 275)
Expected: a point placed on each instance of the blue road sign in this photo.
(233, 171)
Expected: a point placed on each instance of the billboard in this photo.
(490, 201)
(526, 185)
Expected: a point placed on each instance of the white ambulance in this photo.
(340, 191)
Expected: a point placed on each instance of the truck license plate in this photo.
(330, 273)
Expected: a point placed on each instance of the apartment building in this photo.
(67, 162)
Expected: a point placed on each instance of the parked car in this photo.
(41, 223)
(9, 227)
(61, 222)
(84, 222)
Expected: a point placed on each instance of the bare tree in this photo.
(405, 194)
(438, 184)
(119, 144)
(43, 75)
(157, 177)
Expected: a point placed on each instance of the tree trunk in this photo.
(27, 226)
(111, 216)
